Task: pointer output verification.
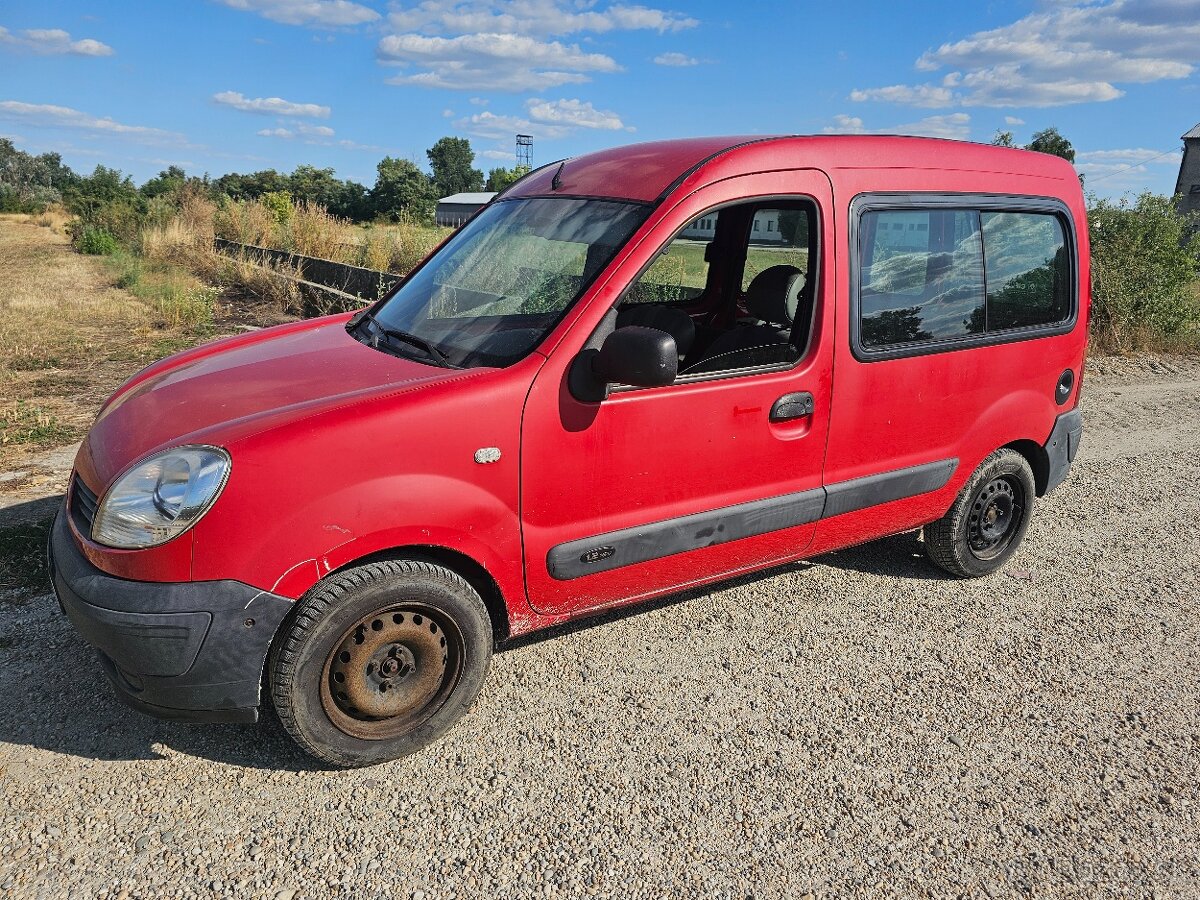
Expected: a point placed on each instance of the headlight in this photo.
(161, 497)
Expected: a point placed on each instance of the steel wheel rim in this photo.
(997, 511)
(391, 671)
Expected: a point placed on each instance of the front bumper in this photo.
(191, 651)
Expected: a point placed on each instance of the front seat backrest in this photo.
(774, 294)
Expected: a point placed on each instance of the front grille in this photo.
(83, 505)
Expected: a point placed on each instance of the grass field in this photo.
(73, 327)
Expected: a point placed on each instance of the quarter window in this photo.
(1028, 273)
(941, 274)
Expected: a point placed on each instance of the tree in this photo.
(1048, 140)
(402, 189)
(168, 181)
(451, 159)
(31, 183)
(1003, 139)
(1145, 260)
(501, 178)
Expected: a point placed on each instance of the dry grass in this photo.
(55, 218)
(311, 231)
(69, 335)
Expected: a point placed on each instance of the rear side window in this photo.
(1028, 272)
(945, 274)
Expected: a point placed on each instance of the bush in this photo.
(1145, 260)
(95, 241)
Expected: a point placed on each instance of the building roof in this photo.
(472, 199)
(1194, 133)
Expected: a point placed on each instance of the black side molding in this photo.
(656, 540)
(847, 496)
(1061, 447)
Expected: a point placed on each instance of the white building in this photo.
(766, 228)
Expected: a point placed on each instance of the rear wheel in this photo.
(988, 520)
(379, 661)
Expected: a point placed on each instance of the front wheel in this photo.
(988, 520)
(379, 661)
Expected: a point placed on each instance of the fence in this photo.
(345, 284)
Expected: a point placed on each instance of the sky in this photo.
(240, 85)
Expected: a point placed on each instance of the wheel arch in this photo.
(1039, 462)
(456, 561)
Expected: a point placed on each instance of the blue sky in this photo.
(240, 85)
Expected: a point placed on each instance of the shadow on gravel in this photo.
(898, 556)
(74, 712)
(59, 699)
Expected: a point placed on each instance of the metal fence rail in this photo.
(349, 281)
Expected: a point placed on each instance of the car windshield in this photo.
(500, 284)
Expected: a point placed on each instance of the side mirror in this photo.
(636, 355)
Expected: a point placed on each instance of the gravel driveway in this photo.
(853, 726)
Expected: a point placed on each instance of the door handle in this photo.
(792, 406)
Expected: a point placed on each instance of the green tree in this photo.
(451, 160)
(1048, 140)
(169, 181)
(501, 178)
(1003, 139)
(402, 189)
(1145, 259)
(31, 183)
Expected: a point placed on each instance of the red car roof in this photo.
(645, 172)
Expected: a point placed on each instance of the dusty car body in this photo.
(642, 370)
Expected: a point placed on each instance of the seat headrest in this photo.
(774, 294)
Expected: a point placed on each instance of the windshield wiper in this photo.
(430, 349)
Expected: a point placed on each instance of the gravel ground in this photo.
(853, 726)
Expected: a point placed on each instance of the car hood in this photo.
(232, 388)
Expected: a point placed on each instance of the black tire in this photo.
(378, 661)
(988, 520)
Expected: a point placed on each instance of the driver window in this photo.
(680, 273)
(757, 310)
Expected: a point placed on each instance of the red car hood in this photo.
(231, 388)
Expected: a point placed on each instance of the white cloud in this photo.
(272, 106)
(1126, 157)
(955, 126)
(276, 132)
(1064, 53)
(844, 124)
(328, 13)
(50, 116)
(1013, 120)
(544, 18)
(676, 60)
(548, 119)
(500, 62)
(499, 127)
(574, 112)
(925, 95)
(502, 155)
(53, 42)
(1134, 168)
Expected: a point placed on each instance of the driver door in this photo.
(655, 489)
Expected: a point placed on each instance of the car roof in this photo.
(648, 172)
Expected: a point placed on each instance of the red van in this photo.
(633, 372)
